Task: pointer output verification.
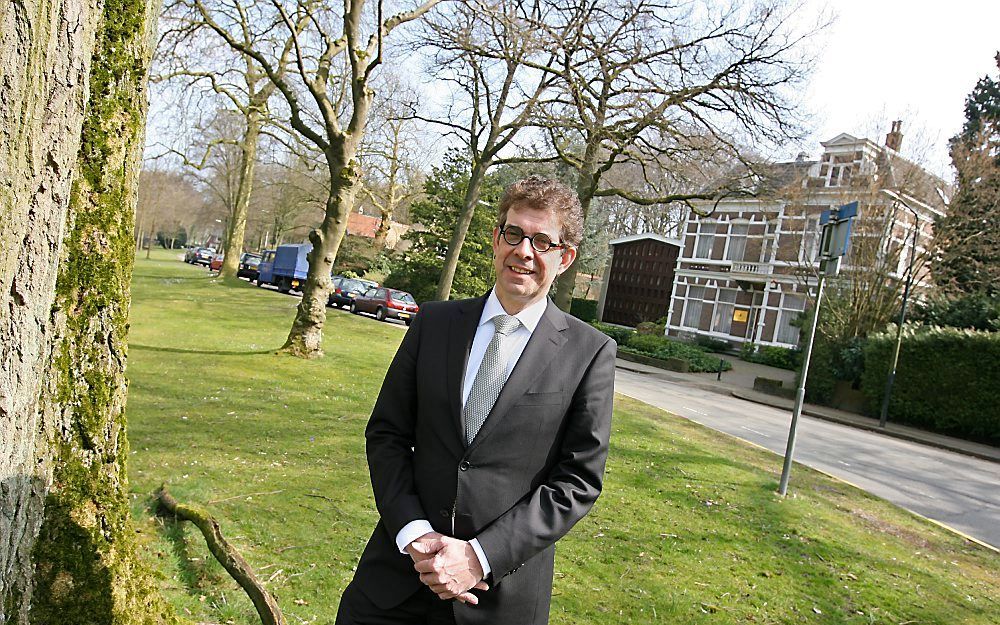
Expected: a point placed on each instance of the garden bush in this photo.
(663, 348)
(780, 357)
(584, 309)
(712, 345)
(619, 334)
(946, 380)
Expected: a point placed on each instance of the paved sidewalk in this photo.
(739, 383)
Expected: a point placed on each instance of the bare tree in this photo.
(327, 93)
(167, 200)
(391, 157)
(72, 113)
(485, 50)
(188, 55)
(663, 88)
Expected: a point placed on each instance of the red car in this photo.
(216, 262)
(386, 304)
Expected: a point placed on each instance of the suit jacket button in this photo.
(444, 513)
(464, 465)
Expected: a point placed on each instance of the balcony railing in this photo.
(754, 269)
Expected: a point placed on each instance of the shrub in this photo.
(584, 309)
(946, 380)
(780, 357)
(663, 348)
(977, 311)
(620, 335)
(712, 345)
(648, 327)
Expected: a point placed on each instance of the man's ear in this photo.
(567, 258)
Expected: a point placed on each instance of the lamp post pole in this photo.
(887, 395)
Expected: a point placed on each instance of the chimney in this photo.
(895, 138)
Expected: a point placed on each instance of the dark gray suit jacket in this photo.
(534, 469)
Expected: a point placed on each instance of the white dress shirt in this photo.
(514, 347)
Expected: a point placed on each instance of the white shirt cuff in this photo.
(482, 556)
(412, 531)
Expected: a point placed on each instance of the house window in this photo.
(706, 237)
(791, 307)
(810, 240)
(692, 309)
(722, 320)
(737, 242)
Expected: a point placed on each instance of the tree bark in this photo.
(305, 339)
(74, 100)
(586, 185)
(238, 218)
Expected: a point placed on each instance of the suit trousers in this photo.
(421, 608)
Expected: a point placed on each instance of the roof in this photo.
(647, 235)
(362, 225)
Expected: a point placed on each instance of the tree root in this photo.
(226, 554)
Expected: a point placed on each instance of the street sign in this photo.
(837, 230)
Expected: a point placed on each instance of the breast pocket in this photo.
(547, 398)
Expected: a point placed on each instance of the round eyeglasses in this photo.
(540, 242)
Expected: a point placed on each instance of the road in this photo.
(960, 491)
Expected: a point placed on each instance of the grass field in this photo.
(688, 530)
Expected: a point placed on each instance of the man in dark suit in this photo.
(489, 437)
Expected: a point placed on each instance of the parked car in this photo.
(345, 290)
(369, 284)
(199, 255)
(386, 304)
(249, 262)
(216, 263)
(285, 267)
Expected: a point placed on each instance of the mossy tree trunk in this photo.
(75, 107)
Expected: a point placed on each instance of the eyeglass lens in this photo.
(514, 235)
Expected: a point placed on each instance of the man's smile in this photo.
(520, 270)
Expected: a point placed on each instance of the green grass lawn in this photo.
(688, 530)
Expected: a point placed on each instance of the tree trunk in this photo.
(238, 219)
(152, 237)
(461, 230)
(586, 184)
(74, 105)
(383, 228)
(305, 339)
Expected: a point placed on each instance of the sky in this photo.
(884, 60)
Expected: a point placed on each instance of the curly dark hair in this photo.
(545, 194)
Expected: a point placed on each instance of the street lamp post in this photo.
(884, 417)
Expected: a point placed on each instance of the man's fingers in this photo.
(425, 547)
(469, 598)
(482, 586)
(424, 566)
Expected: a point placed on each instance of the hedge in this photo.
(620, 335)
(780, 357)
(663, 348)
(947, 380)
(584, 309)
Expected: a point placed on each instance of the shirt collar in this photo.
(529, 317)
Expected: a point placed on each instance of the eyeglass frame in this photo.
(502, 233)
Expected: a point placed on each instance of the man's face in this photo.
(524, 275)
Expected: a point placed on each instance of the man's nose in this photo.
(524, 248)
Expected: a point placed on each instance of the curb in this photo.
(947, 445)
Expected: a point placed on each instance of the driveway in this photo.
(960, 491)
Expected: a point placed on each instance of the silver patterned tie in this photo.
(489, 379)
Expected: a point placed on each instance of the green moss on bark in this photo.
(85, 556)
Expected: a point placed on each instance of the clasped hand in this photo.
(448, 566)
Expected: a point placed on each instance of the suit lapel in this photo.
(545, 342)
(461, 332)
